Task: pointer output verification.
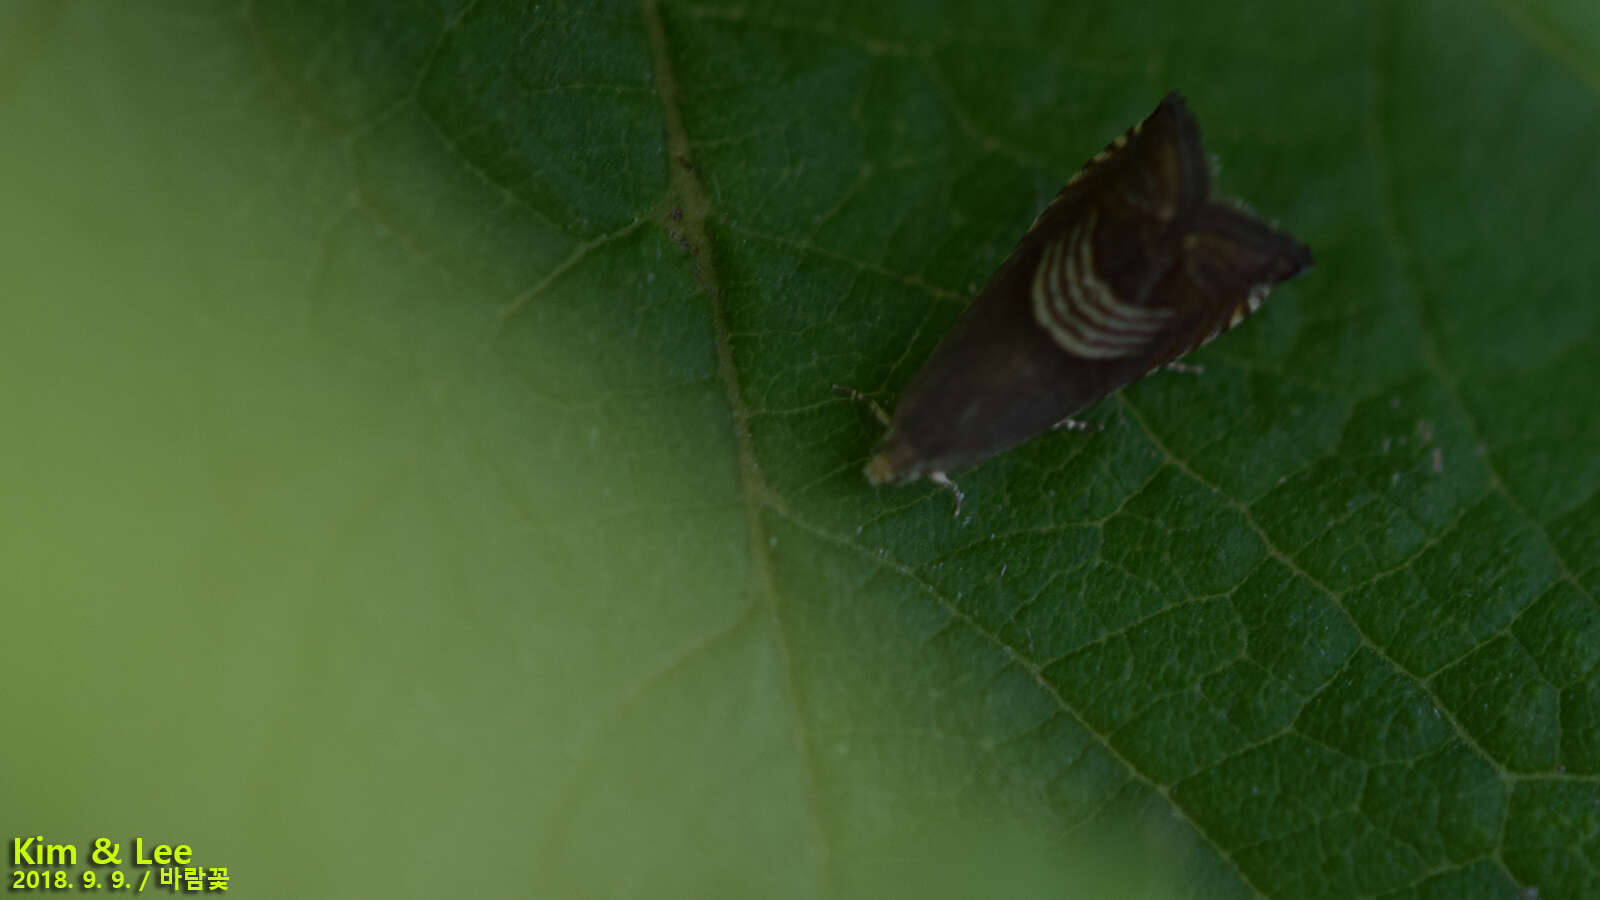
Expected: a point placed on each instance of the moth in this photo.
(1130, 267)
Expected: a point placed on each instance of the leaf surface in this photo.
(441, 393)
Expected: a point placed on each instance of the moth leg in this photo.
(943, 480)
(871, 404)
(1186, 368)
(1077, 425)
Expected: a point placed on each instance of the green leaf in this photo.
(423, 478)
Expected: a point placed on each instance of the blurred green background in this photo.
(420, 476)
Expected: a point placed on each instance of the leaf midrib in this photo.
(688, 195)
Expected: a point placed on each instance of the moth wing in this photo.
(1230, 260)
(1084, 313)
(1163, 170)
(1156, 169)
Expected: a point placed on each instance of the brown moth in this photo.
(1131, 266)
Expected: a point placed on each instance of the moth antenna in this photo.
(872, 405)
(1186, 368)
(943, 480)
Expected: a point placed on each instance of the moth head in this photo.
(895, 462)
